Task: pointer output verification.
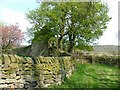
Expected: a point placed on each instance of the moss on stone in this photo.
(6, 59)
(48, 76)
(45, 72)
(6, 69)
(12, 58)
(48, 68)
(27, 69)
(10, 71)
(36, 77)
(29, 60)
(14, 65)
(38, 68)
(26, 73)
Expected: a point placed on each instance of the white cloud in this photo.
(109, 37)
(17, 1)
(14, 17)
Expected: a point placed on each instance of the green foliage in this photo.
(107, 60)
(74, 24)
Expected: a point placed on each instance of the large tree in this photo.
(11, 36)
(73, 24)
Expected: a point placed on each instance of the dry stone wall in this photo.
(110, 60)
(26, 72)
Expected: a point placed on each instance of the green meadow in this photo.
(92, 76)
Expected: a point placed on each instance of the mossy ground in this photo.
(92, 76)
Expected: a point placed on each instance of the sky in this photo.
(13, 11)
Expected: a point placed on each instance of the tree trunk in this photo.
(72, 42)
(60, 40)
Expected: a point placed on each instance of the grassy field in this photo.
(92, 76)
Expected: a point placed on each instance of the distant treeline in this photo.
(112, 49)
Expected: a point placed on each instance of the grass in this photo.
(92, 76)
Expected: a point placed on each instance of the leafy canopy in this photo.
(72, 24)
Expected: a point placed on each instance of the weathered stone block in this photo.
(22, 81)
(3, 76)
(6, 59)
(26, 73)
(29, 60)
(45, 72)
(48, 68)
(14, 65)
(12, 58)
(47, 81)
(27, 85)
(28, 65)
(11, 80)
(20, 85)
(48, 76)
(27, 69)
(17, 77)
(3, 86)
(13, 75)
(11, 71)
(20, 59)
(27, 77)
(2, 81)
(6, 69)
